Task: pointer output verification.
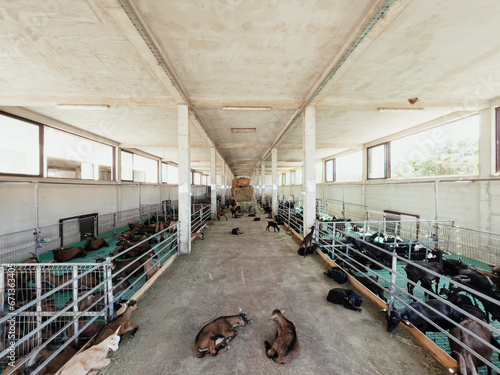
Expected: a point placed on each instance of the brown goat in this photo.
(197, 235)
(93, 329)
(286, 347)
(122, 269)
(215, 335)
(63, 255)
(54, 365)
(221, 213)
(307, 241)
(136, 251)
(467, 362)
(150, 270)
(95, 243)
(120, 323)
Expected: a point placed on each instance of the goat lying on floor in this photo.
(286, 347)
(217, 334)
(348, 298)
(236, 231)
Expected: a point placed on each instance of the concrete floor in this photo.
(259, 271)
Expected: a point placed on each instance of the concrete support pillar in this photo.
(274, 155)
(223, 183)
(213, 181)
(309, 172)
(184, 193)
(263, 181)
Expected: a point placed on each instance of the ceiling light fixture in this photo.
(399, 109)
(243, 130)
(232, 108)
(83, 106)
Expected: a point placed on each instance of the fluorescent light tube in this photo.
(83, 106)
(246, 108)
(399, 109)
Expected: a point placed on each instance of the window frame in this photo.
(121, 166)
(497, 140)
(333, 170)
(387, 161)
(113, 156)
(41, 167)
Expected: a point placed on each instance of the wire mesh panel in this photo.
(128, 216)
(43, 302)
(474, 244)
(16, 247)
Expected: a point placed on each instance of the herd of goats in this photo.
(473, 291)
(359, 253)
(133, 256)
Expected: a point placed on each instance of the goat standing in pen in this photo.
(286, 347)
(121, 324)
(467, 362)
(307, 242)
(416, 274)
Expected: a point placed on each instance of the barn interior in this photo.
(127, 111)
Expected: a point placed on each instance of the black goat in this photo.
(272, 224)
(476, 280)
(416, 320)
(416, 274)
(454, 267)
(464, 302)
(337, 274)
(371, 283)
(348, 298)
(373, 249)
(236, 231)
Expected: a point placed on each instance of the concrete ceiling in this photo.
(347, 58)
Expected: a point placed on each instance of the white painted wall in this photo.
(58, 201)
(456, 200)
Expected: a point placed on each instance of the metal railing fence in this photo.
(336, 240)
(55, 304)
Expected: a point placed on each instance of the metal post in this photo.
(95, 226)
(429, 238)
(343, 201)
(436, 206)
(178, 238)
(38, 281)
(333, 242)
(37, 223)
(2, 286)
(393, 279)
(109, 276)
(318, 227)
(140, 202)
(201, 216)
(114, 224)
(75, 298)
(411, 240)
